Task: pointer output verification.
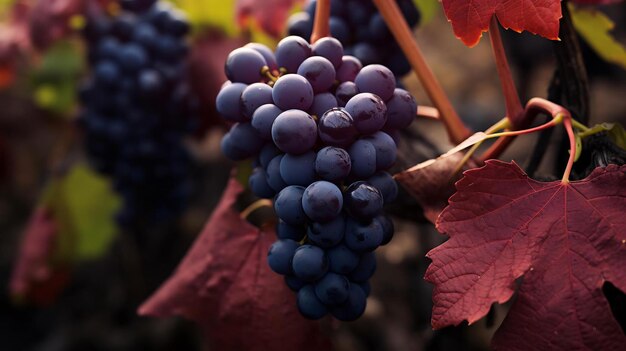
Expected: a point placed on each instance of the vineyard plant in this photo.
(313, 175)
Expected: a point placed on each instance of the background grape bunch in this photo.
(137, 107)
(359, 26)
(319, 127)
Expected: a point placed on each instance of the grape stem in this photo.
(514, 109)
(457, 131)
(255, 206)
(427, 112)
(321, 24)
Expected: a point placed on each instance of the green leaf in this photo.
(84, 205)
(595, 27)
(217, 13)
(615, 131)
(428, 9)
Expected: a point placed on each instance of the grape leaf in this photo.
(271, 15)
(470, 18)
(431, 182)
(595, 28)
(225, 285)
(14, 33)
(566, 240)
(49, 20)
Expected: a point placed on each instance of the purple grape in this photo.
(291, 52)
(362, 200)
(322, 201)
(228, 102)
(332, 289)
(363, 159)
(350, 67)
(336, 128)
(292, 91)
(322, 103)
(280, 256)
(244, 65)
(345, 91)
(263, 118)
(368, 112)
(254, 96)
(309, 263)
(332, 163)
(319, 72)
(294, 132)
(376, 79)
(329, 48)
(266, 52)
(401, 109)
(298, 169)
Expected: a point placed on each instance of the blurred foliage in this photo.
(215, 13)
(55, 78)
(595, 27)
(428, 9)
(84, 206)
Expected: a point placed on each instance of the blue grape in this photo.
(291, 52)
(385, 183)
(150, 83)
(401, 109)
(309, 305)
(363, 159)
(132, 57)
(332, 289)
(294, 132)
(266, 52)
(350, 67)
(244, 131)
(267, 153)
(362, 237)
(288, 205)
(327, 234)
(294, 283)
(285, 230)
(298, 169)
(258, 184)
(339, 29)
(322, 103)
(228, 103)
(244, 65)
(366, 53)
(292, 91)
(368, 112)
(410, 12)
(336, 128)
(376, 79)
(319, 72)
(386, 149)
(344, 92)
(366, 288)
(342, 259)
(263, 119)
(329, 48)
(332, 163)
(300, 24)
(387, 225)
(353, 308)
(365, 269)
(378, 29)
(273, 174)
(107, 73)
(309, 263)
(322, 201)
(280, 256)
(254, 96)
(362, 200)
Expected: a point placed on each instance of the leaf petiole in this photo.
(321, 24)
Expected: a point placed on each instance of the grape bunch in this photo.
(319, 126)
(137, 107)
(359, 26)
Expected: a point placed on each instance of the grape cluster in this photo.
(319, 127)
(359, 26)
(137, 107)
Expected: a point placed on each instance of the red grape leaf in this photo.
(567, 240)
(271, 15)
(34, 277)
(470, 18)
(431, 182)
(225, 285)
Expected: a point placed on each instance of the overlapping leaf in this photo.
(271, 15)
(566, 240)
(225, 285)
(470, 18)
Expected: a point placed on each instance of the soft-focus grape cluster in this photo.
(359, 26)
(319, 127)
(137, 107)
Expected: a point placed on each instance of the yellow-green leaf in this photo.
(217, 13)
(595, 27)
(428, 9)
(84, 206)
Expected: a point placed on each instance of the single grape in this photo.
(376, 79)
(294, 283)
(292, 91)
(267, 153)
(363, 159)
(322, 103)
(285, 230)
(244, 65)
(354, 306)
(386, 150)
(254, 96)
(300, 24)
(379, 32)
(362, 200)
(288, 205)
(309, 305)
(327, 234)
(350, 67)
(362, 237)
(280, 256)
(387, 225)
(401, 109)
(336, 128)
(228, 103)
(366, 53)
(366, 268)
(332, 289)
(322, 201)
(341, 259)
(298, 169)
(132, 57)
(273, 174)
(385, 183)
(107, 73)
(344, 92)
(332, 163)
(263, 119)
(258, 184)
(309, 263)
(366, 288)
(266, 52)
(339, 29)
(368, 112)
(329, 48)
(319, 72)
(291, 51)
(294, 131)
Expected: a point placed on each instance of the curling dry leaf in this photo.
(470, 18)
(225, 285)
(565, 240)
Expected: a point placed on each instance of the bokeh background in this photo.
(88, 298)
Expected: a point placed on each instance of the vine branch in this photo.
(321, 24)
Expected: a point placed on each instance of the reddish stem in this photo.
(427, 112)
(321, 26)
(572, 149)
(401, 31)
(514, 109)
